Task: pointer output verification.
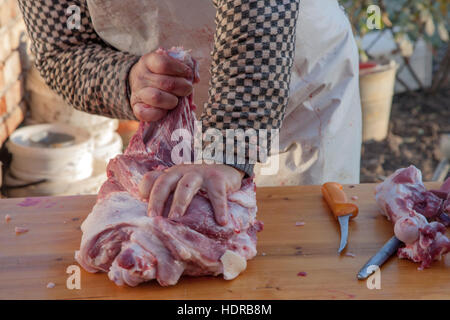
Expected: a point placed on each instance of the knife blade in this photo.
(342, 209)
(380, 257)
(343, 223)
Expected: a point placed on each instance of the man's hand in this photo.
(186, 180)
(156, 81)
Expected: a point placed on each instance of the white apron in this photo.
(320, 139)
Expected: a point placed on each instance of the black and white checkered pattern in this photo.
(251, 68)
(77, 64)
(252, 60)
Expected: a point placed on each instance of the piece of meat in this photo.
(120, 239)
(20, 230)
(415, 212)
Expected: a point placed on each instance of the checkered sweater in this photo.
(250, 72)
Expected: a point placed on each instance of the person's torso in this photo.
(322, 119)
(142, 26)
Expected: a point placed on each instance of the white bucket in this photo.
(110, 149)
(69, 164)
(90, 185)
(377, 90)
(48, 107)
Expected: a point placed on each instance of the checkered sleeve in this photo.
(74, 61)
(251, 69)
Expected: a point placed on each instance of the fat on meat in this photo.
(420, 216)
(120, 239)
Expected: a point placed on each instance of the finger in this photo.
(161, 63)
(196, 75)
(218, 196)
(187, 188)
(161, 190)
(177, 86)
(155, 98)
(146, 113)
(146, 184)
(234, 182)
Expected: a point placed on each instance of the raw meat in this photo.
(20, 230)
(420, 216)
(119, 237)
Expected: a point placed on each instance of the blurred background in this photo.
(413, 38)
(405, 93)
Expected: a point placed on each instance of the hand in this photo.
(186, 180)
(156, 81)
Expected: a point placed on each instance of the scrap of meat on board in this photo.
(420, 216)
(119, 237)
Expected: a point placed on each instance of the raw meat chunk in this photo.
(120, 239)
(418, 215)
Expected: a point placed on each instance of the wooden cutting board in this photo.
(28, 262)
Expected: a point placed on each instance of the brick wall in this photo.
(13, 66)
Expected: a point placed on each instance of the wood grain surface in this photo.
(28, 262)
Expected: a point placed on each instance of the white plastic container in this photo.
(110, 149)
(90, 185)
(48, 107)
(70, 164)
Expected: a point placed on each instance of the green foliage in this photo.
(408, 20)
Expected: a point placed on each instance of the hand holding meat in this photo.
(120, 238)
(156, 81)
(186, 180)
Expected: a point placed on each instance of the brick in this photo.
(2, 79)
(17, 34)
(13, 68)
(11, 121)
(9, 11)
(5, 44)
(2, 106)
(14, 95)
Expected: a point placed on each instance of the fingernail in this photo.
(197, 75)
(152, 213)
(223, 221)
(176, 214)
(141, 105)
(188, 72)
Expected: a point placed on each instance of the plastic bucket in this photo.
(48, 107)
(377, 89)
(67, 163)
(17, 188)
(109, 150)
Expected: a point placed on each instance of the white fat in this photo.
(233, 264)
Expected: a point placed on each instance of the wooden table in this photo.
(28, 262)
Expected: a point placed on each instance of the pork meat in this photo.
(120, 239)
(420, 217)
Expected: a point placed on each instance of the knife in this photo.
(336, 199)
(380, 257)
